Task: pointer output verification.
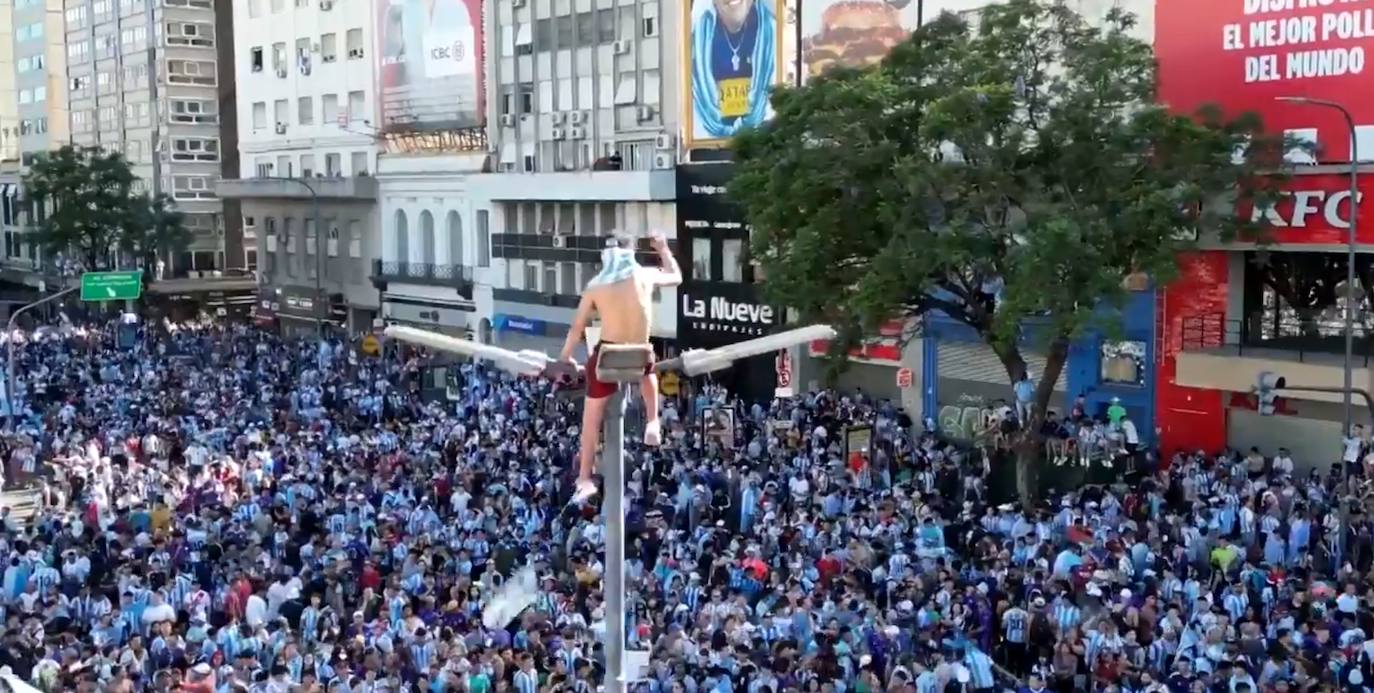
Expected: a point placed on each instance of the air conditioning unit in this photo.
(557, 117)
(644, 113)
(559, 133)
(663, 141)
(577, 133)
(621, 47)
(314, 48)
(281, 128)
(558, 241)
(508, 120)
(517, 3)
(355, 52)
(577, 117)
(281, 72)
(663, 160)
(329, 58)
(326, 5)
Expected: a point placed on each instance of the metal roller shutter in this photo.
(976, 362)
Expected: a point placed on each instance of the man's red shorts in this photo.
(596, 388)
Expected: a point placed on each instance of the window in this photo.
(194, 111)
(279, 59)
(355, 238)
(259, 115)
(303, 55)
(605, 26)
(102, 9)
(264, 169)
(358, 162)
(284, 166)
(278, 6)
(29, 32)
(135, 77)
(81, 121)
(190, 34)
(135, 114)
(1123, 363)
(356, 105)
(526, 98)
(78, 52)
(305, 110)
(353, 40)
(308, 165)
(331, 242)
(254, 8)
(255, 58)
(279, 112)
(250, 259)
(134, 39)
(80, 87)
(201, 72)
(330, 111)
(732, 260)
(192, 188)
(269, 226)
(532, 276)
(106, 46)
(568, 279)
(650, 24)
(104, 82)
(701, 259)
(76, 18)
(195, 149)
(483, 238)
(333, 165)
(329, 49)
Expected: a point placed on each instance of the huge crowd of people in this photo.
(220, 510)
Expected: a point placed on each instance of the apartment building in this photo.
(33, 115)
(308, 155)
(582, 120)
(151, 79)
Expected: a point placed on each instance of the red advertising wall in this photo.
(1189, 418)
(1242, 54)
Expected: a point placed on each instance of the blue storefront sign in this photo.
(516, 323)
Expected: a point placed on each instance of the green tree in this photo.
(155, 226)
(1027, 153)
(94, 210)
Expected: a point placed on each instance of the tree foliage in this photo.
(1011, 176)
(95, 211)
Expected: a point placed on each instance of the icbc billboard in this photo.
(1243, 54)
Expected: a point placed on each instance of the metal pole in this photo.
(1348, 414)
(1350, 267)
(613, 468)
(319, 264)
(9, 355)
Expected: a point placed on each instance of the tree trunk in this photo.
(1027, 443)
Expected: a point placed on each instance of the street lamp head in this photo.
(1293, 99)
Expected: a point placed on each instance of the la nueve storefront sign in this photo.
(725, 315)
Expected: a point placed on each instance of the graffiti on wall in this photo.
(966, 418)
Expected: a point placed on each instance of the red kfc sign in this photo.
(1315, 209)
(1243, 54)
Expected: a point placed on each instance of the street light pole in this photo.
(319, 252)
(1350, 247)
(622, 369)
(9, 355)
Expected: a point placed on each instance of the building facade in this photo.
(151, 79)
(36, 113)
(307, 146)
(582, 119)
(438, 245)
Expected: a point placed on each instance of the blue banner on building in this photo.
(515, 323)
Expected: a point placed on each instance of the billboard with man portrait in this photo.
(733, 55)
(429, 65)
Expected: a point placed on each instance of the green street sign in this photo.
(111, 286)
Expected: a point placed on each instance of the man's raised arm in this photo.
(669, 274)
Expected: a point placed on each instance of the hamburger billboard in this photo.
(852, 33)
(1243, 54)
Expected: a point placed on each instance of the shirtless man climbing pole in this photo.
(621, 296)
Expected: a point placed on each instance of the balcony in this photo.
(328, 188)
(1217, 353)
(426, 273)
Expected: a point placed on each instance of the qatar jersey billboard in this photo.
(733, 55)
(430, 65)
(1243, 55)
